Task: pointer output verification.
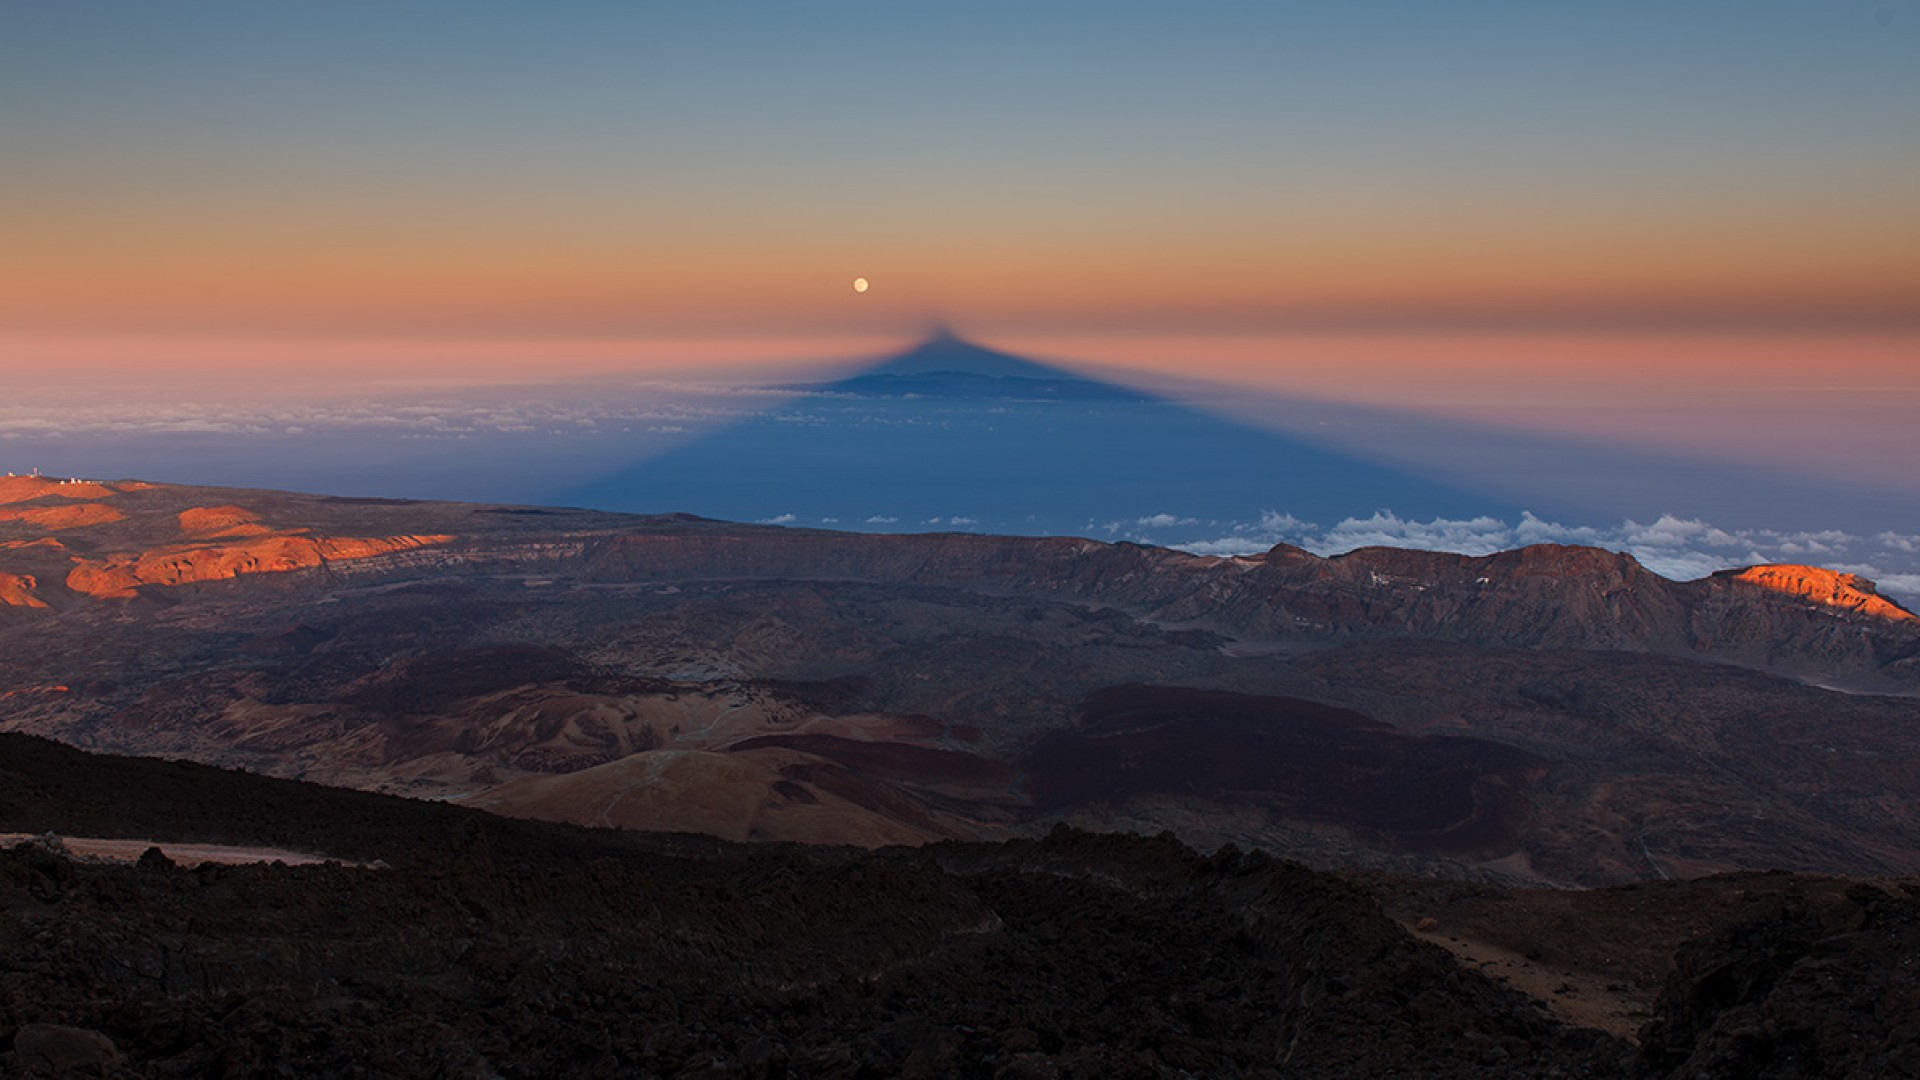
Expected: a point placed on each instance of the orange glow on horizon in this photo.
(372, 269)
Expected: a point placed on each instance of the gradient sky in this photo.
(1510, 211)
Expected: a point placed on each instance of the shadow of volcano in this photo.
(950, 367)
(953, 434)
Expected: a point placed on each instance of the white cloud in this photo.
(1684, 565)
(1902, 587)
(779, 519)
(1225, 548)
(1164, 521)
(1273, 521)
(1474, 536)
(1897, 542)
(1251, 537)
(1673, 532)
(880, 519)
(1534, 530)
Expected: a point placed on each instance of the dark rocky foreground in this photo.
(1800, 988)
(490, 947)
(1035, 959)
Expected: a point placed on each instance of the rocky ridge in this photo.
(1544, 595)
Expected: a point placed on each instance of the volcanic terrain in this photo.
(469, 945)
(1552, 714)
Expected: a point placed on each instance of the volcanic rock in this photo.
(1808, 985)
(64, 1051)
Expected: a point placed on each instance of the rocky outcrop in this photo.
(222, 521)
(16, 590)
(1848, 593)
(1810, 984)
(64, 1051)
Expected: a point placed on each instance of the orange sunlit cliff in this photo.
(133, 537)
(1829, 588)
(119, 575)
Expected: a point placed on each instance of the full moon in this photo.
(859, 284)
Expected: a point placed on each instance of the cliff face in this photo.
(1843, 593)
(1544, 595)
(118, 575)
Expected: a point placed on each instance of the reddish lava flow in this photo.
(1829, 588)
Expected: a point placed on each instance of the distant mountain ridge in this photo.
(1542, 595)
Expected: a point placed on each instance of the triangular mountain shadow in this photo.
(951, 434)
(948, 366)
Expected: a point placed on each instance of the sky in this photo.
(1690, 227)
(613, 169)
